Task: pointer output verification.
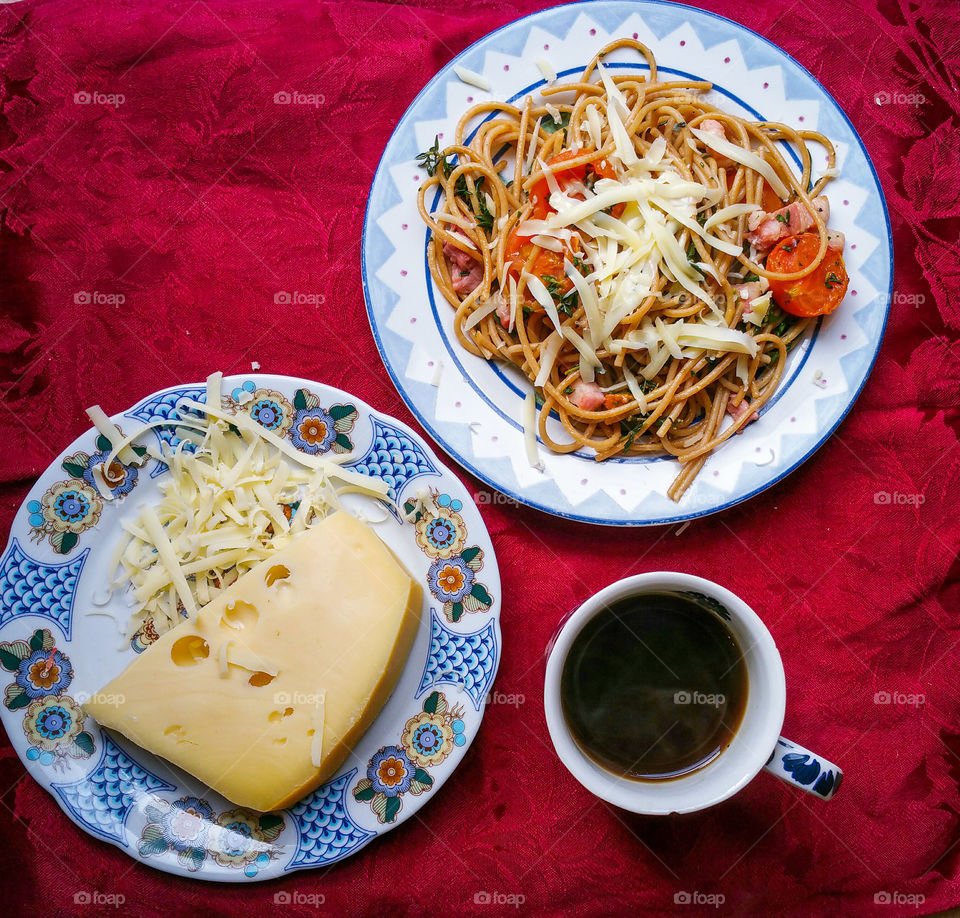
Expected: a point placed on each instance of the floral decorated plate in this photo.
(54, 652)
(473, 408)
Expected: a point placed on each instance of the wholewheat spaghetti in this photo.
(643, 257)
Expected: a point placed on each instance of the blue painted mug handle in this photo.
(803, 769)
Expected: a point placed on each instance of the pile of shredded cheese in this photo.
(240, 496)
(623, 257)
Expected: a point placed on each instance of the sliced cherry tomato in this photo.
(517, 251)
(770, 200)
(615, 400)
(817, 294)
(540, 192)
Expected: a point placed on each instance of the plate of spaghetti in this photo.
(629, 263)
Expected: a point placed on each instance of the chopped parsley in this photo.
(462, 191)
(566, 302)
(780, 320)
(433, 160)
(751, 277)
(630, 429)
(549, 126)
(781, 218)
(484, 217)
(831, 281)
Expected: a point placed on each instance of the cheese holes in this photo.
(239, 615)
(260, 679)
(276, 716)
(275, 573)
(189, 650)
(173, 730)
(280, 741)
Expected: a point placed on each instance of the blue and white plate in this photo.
(55, 649)
(473, 407)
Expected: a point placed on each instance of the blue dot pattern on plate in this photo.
(248, 386)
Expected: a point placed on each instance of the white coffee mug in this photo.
(756, 744)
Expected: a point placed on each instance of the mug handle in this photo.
(802, 768)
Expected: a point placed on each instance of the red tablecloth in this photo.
(196, 199)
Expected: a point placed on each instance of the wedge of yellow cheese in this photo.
(265, 693)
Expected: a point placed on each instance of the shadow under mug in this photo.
(756, 745)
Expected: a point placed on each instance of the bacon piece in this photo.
(713, 127)
(503, 311)
(767, 229)
(465, 281)
(738, 411)
(587, 395)
(749, 291)
(466, 269)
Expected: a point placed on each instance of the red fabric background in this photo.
(198, 199)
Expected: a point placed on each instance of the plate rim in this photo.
(471, 466)
(285, 867)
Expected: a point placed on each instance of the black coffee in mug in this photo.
(655, 685)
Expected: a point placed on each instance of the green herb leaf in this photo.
(484, 217)
(781, 218)
(549, 126)
(630, 428)
(433, 160)
(751, 277)
(831, 281)
(566, 302)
